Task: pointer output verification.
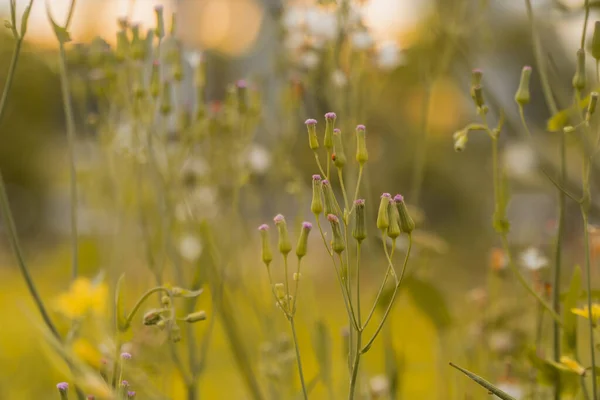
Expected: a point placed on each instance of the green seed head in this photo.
(360, 230)
(522, 97)
(285, 246)
(579, 80)
(383, 220)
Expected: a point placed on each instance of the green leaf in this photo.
(60, 32)
(430, 300)
(25, 19)
(491, 388)
(322, 348)
(570, 319)
(181, 292)
(549, 371)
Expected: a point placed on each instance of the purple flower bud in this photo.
(124, 383)
(330, 115)
(126, 356)
(316, 177)
(307, 225)
(301, 247)
(332, 218)
(279, 219)
(398, 198)
(360, 127)
(325, 182)
(62, 387)
(91, 397)
(389, 196)
(241, 84)
(131, 394)
(359, 202)
(310, 121)
(337, 130)
(263, 227)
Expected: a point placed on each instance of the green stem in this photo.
(298, 358)
(139, 303)
(588, 269)
(64, 82)
(389, 271)
(319, 164)
(5, 206)
(341, 177)
(387, 311)
(357, 354)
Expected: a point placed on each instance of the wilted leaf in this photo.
(561, 119)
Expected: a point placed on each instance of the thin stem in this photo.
(285, 280)
(588, 269)
(328, 163)
(139, 303)
(360, 173)
(389, 269)
(387, 311)
(66, 97)
(357, 354)
(341, 178)
(319, 163)
(585, 22)
(7, 213)
(298, 358)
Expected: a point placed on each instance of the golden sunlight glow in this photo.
(389, 19)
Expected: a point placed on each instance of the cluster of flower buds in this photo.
(393, 217)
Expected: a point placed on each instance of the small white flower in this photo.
(322, 23)
(512, 388)
(361, 40)
(388, 55)
(379, 386)
(309, 60)
(194, 58)
(533, 259)
(339, 79)
(190, 248)
(259, 159)
(293, 18)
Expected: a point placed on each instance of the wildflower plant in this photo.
(342, 236)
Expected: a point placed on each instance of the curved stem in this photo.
(389, 308)
(319, 164)
(7, 213)
(139, 303)
(389, 269)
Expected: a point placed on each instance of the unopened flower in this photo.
(406, 222)
(285, 246)
(329, 127)
(131, 394)
(522, 97)
(313, 140)
(316, 205)
(266, 254)
(126, 356)
(533, 259)
(302, 246)
(359, 232)
(383, 220)
(337, 244)
(362, 156)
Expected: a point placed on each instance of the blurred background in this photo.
(400, 67)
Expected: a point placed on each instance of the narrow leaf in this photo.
(570, 319)
(491, 388)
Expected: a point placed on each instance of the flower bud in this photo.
(337, 243)
(155, 80)
(596, 41)
(63, 389)
(153, 316)
(316, 205)
(460, 141)
(329, 125)
(313, 140)
(522, 97)
(284, 241)
(242, 96)
(166, 104)
(267, 255)
(406, 222)
(592, 105)
(131, 394)
(383, 220)
(331, 206)
(160, 22)
(195, 317)
(393, 230)
(302, 245)
(362, 156)
(478, 96)
(165, 301)
(360, 230)
(476, 77)
(338, 148)
(579, 80)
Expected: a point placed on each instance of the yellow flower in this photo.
(572, 365)
(584, 312)
(82, 298)
(85, 351)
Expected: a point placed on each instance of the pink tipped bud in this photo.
(337, 243)
(302, 246)
(330, 115)
(263, 227)
(360, 230)
(310, 121)
(285, 246)
(362, 156)
(266, 253)
(329, 126)
(126, 356)
(406, 222)
(383, 220)
(313, 140)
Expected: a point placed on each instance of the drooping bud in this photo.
(331, 206)
(362, 156)
(522, 97)
(360, 229)
(592, 105)
(313, 140)
(316, 205)
(160, 22)
(579, 80)
(383, 220)
(285, 246)
(460, 141)
(166, 103)
(596, 41)
(155, 80)
(242, 96)
(329, 126)
(338, 148)
(152, 317)
(406, 222)
(63, 390)
(267, 255)
(393, 230)
(302, 246)
(337, 243)
(195, 317)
